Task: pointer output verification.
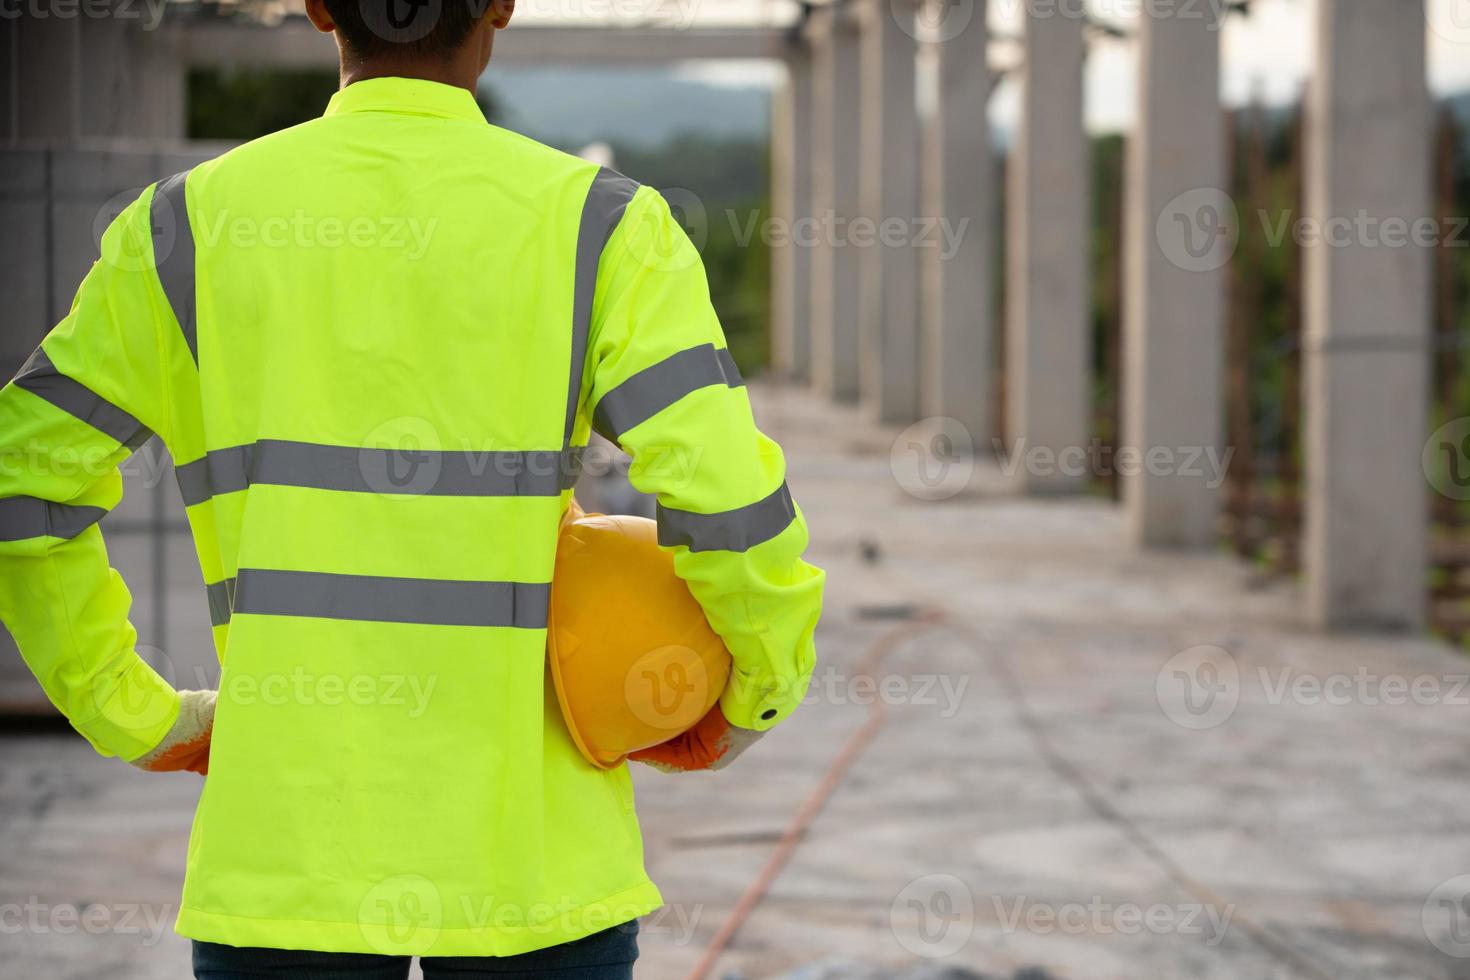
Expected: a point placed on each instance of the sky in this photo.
(1269, 52)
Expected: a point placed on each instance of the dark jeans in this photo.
(607, 955)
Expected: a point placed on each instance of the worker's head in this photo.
(412, 36)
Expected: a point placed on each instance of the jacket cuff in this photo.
(136, 709)
(756, 705)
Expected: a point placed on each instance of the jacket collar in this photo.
(409, 96)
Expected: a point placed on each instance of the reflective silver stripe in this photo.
(731, 530)
(654, 389)
(272, 462)
(23, 518)
(173, 253)
(40, 377)
(221, 601)
(607, 199)
(367, 598)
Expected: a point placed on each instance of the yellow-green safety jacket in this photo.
(375, 344)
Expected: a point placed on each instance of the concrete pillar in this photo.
(1367, 317)
(48, 75)
(958, 298)
(889, 355)
(836, 269)
(1048, 330)
(791, 251)
(1176, 245)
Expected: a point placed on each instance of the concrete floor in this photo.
(1097, 763)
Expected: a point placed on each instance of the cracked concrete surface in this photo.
(1098, 763)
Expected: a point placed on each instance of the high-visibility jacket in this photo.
(375, 345)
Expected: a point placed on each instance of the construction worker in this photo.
(375, 345)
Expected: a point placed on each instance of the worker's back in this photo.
(375, 345)
(385, 339)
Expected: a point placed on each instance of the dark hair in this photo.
(416, 28)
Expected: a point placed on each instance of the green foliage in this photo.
(239, 105)
(226, 104)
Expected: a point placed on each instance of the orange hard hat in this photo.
(633, 658)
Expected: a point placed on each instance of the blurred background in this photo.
(1119, 348)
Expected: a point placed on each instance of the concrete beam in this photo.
(791, 199)
(1173, 292)
(958, 298)
(294, 43)
(889, 353)
(1367, 318)
(1049, 336)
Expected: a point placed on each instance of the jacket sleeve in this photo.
(663, 386)
(84, 401)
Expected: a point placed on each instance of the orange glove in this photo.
(711, 744)
(186, 746)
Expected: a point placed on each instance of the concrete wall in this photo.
(54, 205)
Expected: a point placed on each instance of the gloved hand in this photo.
(711, 744)
(186, 746)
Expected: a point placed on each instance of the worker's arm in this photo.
(86, 399)
(663, 386)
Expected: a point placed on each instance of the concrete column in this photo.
(791, 252)
(48, 72)
(889, 355)
(958, 297)
(1173, 288)
(1048, 332)
(836, 267)
(1367, 317)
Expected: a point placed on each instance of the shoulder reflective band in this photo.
(221, 601)
(367, 598)
(654, 389)
(40, 377)
(23, 518)
(606, 201)
(270, 462)
(732, 530)
(173, 253)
